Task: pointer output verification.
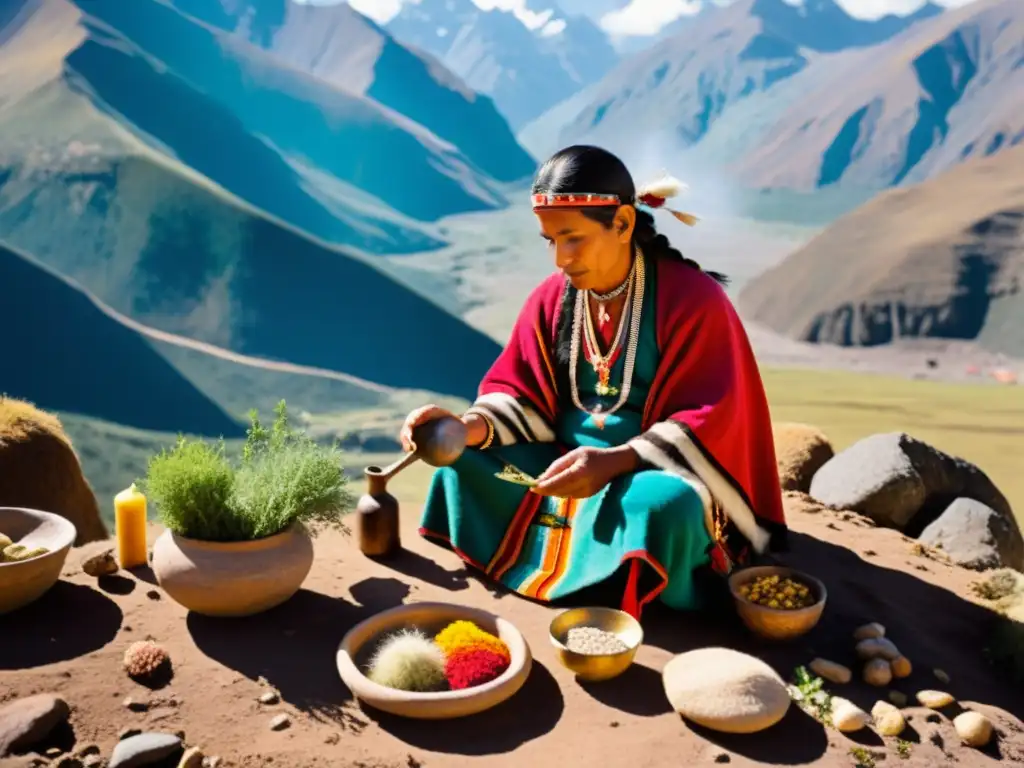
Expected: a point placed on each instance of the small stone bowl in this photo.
(358, 646)
(594, 668)
(24, 582)
(777, 623)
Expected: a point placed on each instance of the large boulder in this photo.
(901, 482)
(39, 469)
(975, 536)
(800, 451)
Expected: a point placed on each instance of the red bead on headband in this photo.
(577, 200)
(653, 195)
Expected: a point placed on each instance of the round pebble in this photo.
(973, 728)
(934, 699)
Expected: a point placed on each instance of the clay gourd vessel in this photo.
(439, 443)
(233, 578)
(24, 582)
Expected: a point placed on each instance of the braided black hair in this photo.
(583, 169)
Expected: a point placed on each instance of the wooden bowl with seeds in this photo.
(596, 643)
(50, 535)
(777, 621)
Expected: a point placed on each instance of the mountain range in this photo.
(192, 183)
(525, 71)
(688, 80)
(248, 193)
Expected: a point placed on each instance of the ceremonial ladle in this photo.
(439, 443)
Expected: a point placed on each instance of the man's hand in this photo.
(584, 471)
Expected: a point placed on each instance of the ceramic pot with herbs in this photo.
(234, 578)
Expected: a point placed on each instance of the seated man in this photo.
(629, 388)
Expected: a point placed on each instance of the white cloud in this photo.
(553, 28)
(531, 19)
(648, 17)
(382, 11)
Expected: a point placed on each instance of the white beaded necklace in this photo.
(601, 363)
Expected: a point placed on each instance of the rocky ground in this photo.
(264, 691)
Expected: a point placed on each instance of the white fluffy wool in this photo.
(725, 690)
(408, 661)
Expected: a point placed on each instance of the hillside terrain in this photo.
(941, 93)
(62, 350)
(113, 199)
(525, 71)
(340, 48)
(941, 259)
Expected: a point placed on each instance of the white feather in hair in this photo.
(665, 187)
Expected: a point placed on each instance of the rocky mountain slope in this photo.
(180, 178)
(350, 53)
(687, 81)
(941, 259)
(944, 91)
(524, 70)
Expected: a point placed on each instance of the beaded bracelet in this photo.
(490, 427)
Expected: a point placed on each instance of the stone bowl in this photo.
(596, 667)
(24, 582)
(777, 623)
(358, 646)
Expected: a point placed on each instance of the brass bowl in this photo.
(597, 667)
(777, 623)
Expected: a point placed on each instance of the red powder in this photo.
(467, 669)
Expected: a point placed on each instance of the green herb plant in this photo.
(283, 477)
(808, 691)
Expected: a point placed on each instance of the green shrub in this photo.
(283, 477)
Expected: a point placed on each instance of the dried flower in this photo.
(144, 660)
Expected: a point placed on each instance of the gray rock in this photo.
(280, 722)
(144, 749)
(27, 721)
(892, 478)
(975, 536)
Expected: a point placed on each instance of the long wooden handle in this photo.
(393, 469)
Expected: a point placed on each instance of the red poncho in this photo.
(706, 414)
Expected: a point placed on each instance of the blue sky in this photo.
(638, 17)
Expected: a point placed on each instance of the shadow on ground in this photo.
(67, 622)
(797, 740)
(934, 627)
(534, 711)
(293, 646)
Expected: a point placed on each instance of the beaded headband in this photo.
(653, 195)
